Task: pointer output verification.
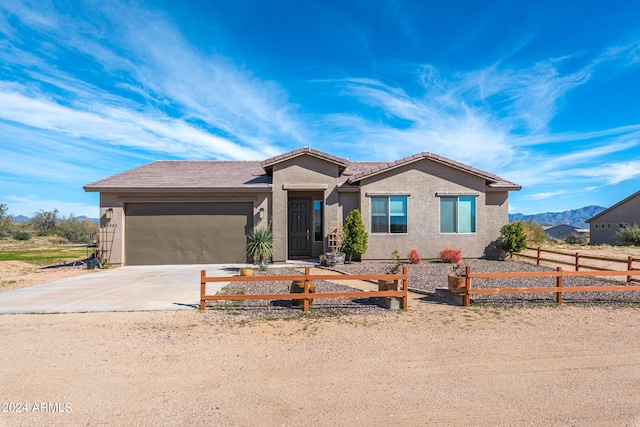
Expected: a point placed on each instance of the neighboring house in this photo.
(198, 212)
(563, 230)
(605, 225)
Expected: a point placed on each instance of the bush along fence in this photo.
(577, 258)
(558, 288)
(400, 289)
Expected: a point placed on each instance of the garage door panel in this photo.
(187, 233)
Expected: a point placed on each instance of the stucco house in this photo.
(197, 212)
(604, 226)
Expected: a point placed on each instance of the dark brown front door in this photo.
(299, 230)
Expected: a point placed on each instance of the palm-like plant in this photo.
(260, 246)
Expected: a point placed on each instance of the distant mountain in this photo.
(20, 218)
(93, 220)
(576, 217)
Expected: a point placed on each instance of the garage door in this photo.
(187, 233)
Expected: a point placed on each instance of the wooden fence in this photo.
(401, 287)
(558, 289)
(577, 257)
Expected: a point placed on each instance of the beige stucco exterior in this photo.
(307, 174)
(608, 222)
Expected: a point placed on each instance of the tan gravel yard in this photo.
(351, 364)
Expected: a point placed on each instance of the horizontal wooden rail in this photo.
(577, 257)
(558, 289)
(402, 281)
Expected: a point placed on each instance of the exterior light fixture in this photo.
(108, 213)
(261, 213)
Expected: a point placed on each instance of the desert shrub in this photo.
(45, 222)
(512, 238)
(534, 232)
(629, 235)
(414, 257)
(451, 256)
(355, 238)
(6, 223)
(76, 230)
(397, 263)
(21, 235)
(576, 239)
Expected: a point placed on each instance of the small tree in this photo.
(355, 238)
(534, 232)
(44, 222)
(629, 235)
(76, 230)
(576, 239)
(6, 223)
(512, 238)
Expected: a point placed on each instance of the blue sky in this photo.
(545, 94)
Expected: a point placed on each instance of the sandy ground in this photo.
(430, 365)
(18, 274)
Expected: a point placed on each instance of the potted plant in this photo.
(395, 268)
(456, 280)
(260, 246)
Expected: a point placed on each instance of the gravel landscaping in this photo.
(283, 308)
(423, 278)
(429, 275)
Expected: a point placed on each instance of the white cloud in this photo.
(28, 205)
(545, 195)
(613, 173)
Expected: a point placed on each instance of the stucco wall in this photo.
(422, 181)
(301, 176)
(626, 213)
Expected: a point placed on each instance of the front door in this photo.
(299, 229)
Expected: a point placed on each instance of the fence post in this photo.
(538, 260)
(577, 261)
(405, 298)
(467, 286)
(559, 285)
(203, 289)
(305, 302)
(629, 267)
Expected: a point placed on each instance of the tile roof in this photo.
(188, 174)
(268, 163)
(255, 175)
(494, 181)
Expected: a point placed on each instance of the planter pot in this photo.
(246, 271)
(297, 287)
(456, 284)
(334, 259)
(386, 285)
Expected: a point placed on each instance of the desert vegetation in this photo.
(69, 229)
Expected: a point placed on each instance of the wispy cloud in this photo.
(193, 104)
(545, 195)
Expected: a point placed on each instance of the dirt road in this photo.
(431, 365)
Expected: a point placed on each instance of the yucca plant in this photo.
(260, 246)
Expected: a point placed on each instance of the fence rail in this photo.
(577, 257)
(559, 289)
(401, 287)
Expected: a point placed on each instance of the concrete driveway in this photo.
(136, 288)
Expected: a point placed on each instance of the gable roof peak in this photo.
(306, 150)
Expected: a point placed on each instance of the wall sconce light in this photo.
(108, 213)
(261, 213)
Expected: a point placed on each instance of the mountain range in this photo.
(576, 217)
